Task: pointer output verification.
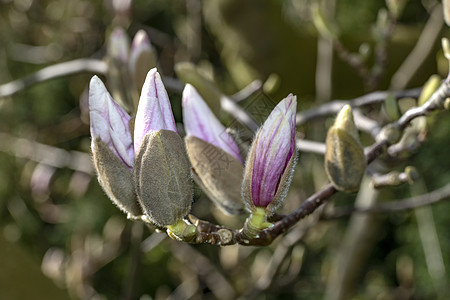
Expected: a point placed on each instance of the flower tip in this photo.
(141, 39)
(188, 91)
(344, 117)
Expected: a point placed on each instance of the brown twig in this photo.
(334, 106)
(265, 237)
(433, 197)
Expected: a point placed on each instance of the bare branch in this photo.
(45, 154)
(436, 196)
(53, 71)
(334, 106)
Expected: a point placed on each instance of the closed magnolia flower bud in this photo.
(161, 169)
(142, 58)
(271, 160)
(345, 162)
(115, 178)
(162, 177)
(112, 148)
(119, 80)
(214, 155)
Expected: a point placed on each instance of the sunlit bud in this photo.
(110, 122)
(154, 110)
(199, 121)
(162, 177)
(345, 162)
(115, 178)
(112, 148)
(142, 58)
(214, 155)
(271, 160)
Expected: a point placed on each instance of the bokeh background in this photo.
(60, 236)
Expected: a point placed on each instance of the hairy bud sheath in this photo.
(345, 162)
(162, 177)
(271, 160)
(215, 157)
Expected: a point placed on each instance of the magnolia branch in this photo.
(334, 106)
(213, 234)
(433, 197)
(54, 71)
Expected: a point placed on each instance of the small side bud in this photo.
(395, 178)
(142, 58)
(162, 177)
(115, 178)
(446, 48)
(429, 88)
(345, 162)
(391, 133)
(391, 107)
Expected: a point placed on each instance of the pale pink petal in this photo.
(199, 121)
(110, 122)
(154, 110)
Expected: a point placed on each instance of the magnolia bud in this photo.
(216, 161)
(115, 178)
(142, 58)
(217, 172)
(118, 76)
(345, 162)
(271, 160)
(162, 177)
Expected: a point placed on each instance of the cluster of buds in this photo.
(145, 167)
(141, 162)
(261, 184)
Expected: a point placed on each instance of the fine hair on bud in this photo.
(162, 177)
(219, 179)
(115, 179)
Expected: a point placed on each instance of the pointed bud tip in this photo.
(141, 39)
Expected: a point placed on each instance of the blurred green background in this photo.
(61, 238)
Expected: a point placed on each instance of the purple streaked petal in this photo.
(154, 110)
(199, 121)
(274, 147)
(110, 122)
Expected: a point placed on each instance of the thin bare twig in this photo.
(54, 71)
(45, 154)
(436, 196)
(334, 106)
